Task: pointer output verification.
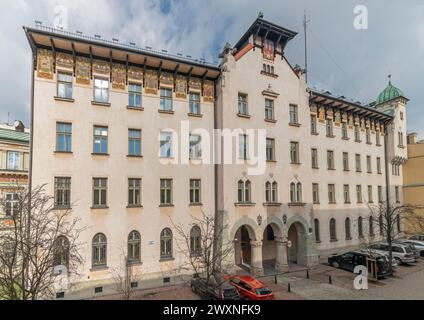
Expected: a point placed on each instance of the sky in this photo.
(342, 59)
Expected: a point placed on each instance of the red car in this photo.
(250, 288)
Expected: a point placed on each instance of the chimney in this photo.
(19, 126)
(412, 138)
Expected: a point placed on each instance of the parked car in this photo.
(217, 290)
(401, 253)
(419, 245)
(348, 261)
(414, 249)
(250, 288)
(419, 237)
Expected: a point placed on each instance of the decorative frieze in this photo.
(118, 76)
(82, 71)
(268, 50)
(151, 82)
(64, 60)
(101, 67)
(166, 79)
(45, 64)
(181, 87)
(195, 84)
(135, 74)
(208, 91)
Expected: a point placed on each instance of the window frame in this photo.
(102, 90)
(66, 84)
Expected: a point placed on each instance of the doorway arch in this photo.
(297, 237)
(243, 248)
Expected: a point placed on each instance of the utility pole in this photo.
(305, 24)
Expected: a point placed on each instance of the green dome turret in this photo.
(388, 94)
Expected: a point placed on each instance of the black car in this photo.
(348, 261)
(218, 291)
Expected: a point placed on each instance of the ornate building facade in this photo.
(106, 120)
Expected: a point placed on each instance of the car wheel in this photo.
(335, 264)
(398, 261)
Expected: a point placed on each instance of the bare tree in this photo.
(37, 238)
(196, 244)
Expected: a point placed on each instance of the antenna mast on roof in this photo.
(305, 24)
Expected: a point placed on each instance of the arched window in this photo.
(61, 252)
(272, 69)
(292, 192)
(274, 192)
(240, 191)
(347, 229)
(333, 230)
(296, 192)
(371, 226)
(244, 191)
(268, 196)
(299, 192)
(317, 233)
(381, 224)
(268, 69)
(398, 223)
(99, 250)
(271, 191)
(264, 67)
(195, 241)
(248, 189)
(360, 228)
(134, 247)
(166, 244)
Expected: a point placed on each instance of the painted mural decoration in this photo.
(118, 76)
(338, 118)
(101, 67)
(208, 91)
(314, 109)
(268, 50)
(330, 114)
(151, 82)
(344, 117)
(195, 84)
(321, 114)
(82, 71)
(167, 79)
(181, 87)
(135, 74)
(44, 64)
(351, 120)
(64, 60)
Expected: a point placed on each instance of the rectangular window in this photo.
(63, 137)
(315, 193)
(370, 195)
(294, 152)
(357, 134)
(269, 109)
(346, 193)
(358, 162)
(134, 192)
(194, 103)
(368, 135)
(345, 161)
(359, 193)
(166, 144)
(397, 195)
(101, 90)
(64, 85)
(165, 192)
(134, 142)
(62, 192)
(195, 146)
(195, 191)
(314, 129)
(380, 194)
(378, 165)
(166, 99)
(330, 160)
(13, 160)
(377, 138)
(243, 147)
(331, 194)
(329, 127)
(344, 131)
(100, 140)
(11, 204)
(369, 167)
(294, 114)
(400, 138)
(242, 104)
(270, 149)
(99, 192)
(134, 96)
(314, 158)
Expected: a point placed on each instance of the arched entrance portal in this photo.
(297, 239)
(243, 248)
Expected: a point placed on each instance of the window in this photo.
(11, 204)
(359, 194)
(270, 149)
(378, 165)
(99, 192)
(244, 191)
(165, 192)
(344, 131)
(269, 109)
(360, 228)
(296, 192)
(100, 141)
(243, 147)
(317, 233)
(63, 137)
(314, 156)
(242, 104)
(329, 127)
(331, 193)
(134, 96)
(396, 169)
(99, 250)
(358, 162)
(61, 252)
(13, 160)
(377, 138)
(330, 160)
(194, 103)
(400, 138)
(134, 247)
(166, 244)
(398, 223)
(294, 114)
(368, 136)
(401, 116)
(271, 192)
(195, 191)
(371, 226)
(369, 167)
(134, 192)
(314, 129)
(357, 134)
(315, 193)
(370, 195)
(294, 152)
(345, 161)
(333, 230)
(381, 224)
(134, 142)
(62, 192)
(166, 144)
(346, 193)
(195, 241)
(347, 229)
(64, 85)
(397, 195)
(380, 194)
(101, 90)
(166, 99)
(195, 146)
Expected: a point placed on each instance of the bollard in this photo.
(275, 279)
(307, 274)
(289, 288)
(330, 280)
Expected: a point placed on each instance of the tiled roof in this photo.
(14, 135)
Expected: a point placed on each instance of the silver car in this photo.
(419, 245)
(415, 251)
(401, 253)
(417, 237)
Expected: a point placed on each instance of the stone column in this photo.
(257, 266)
(281, 261)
